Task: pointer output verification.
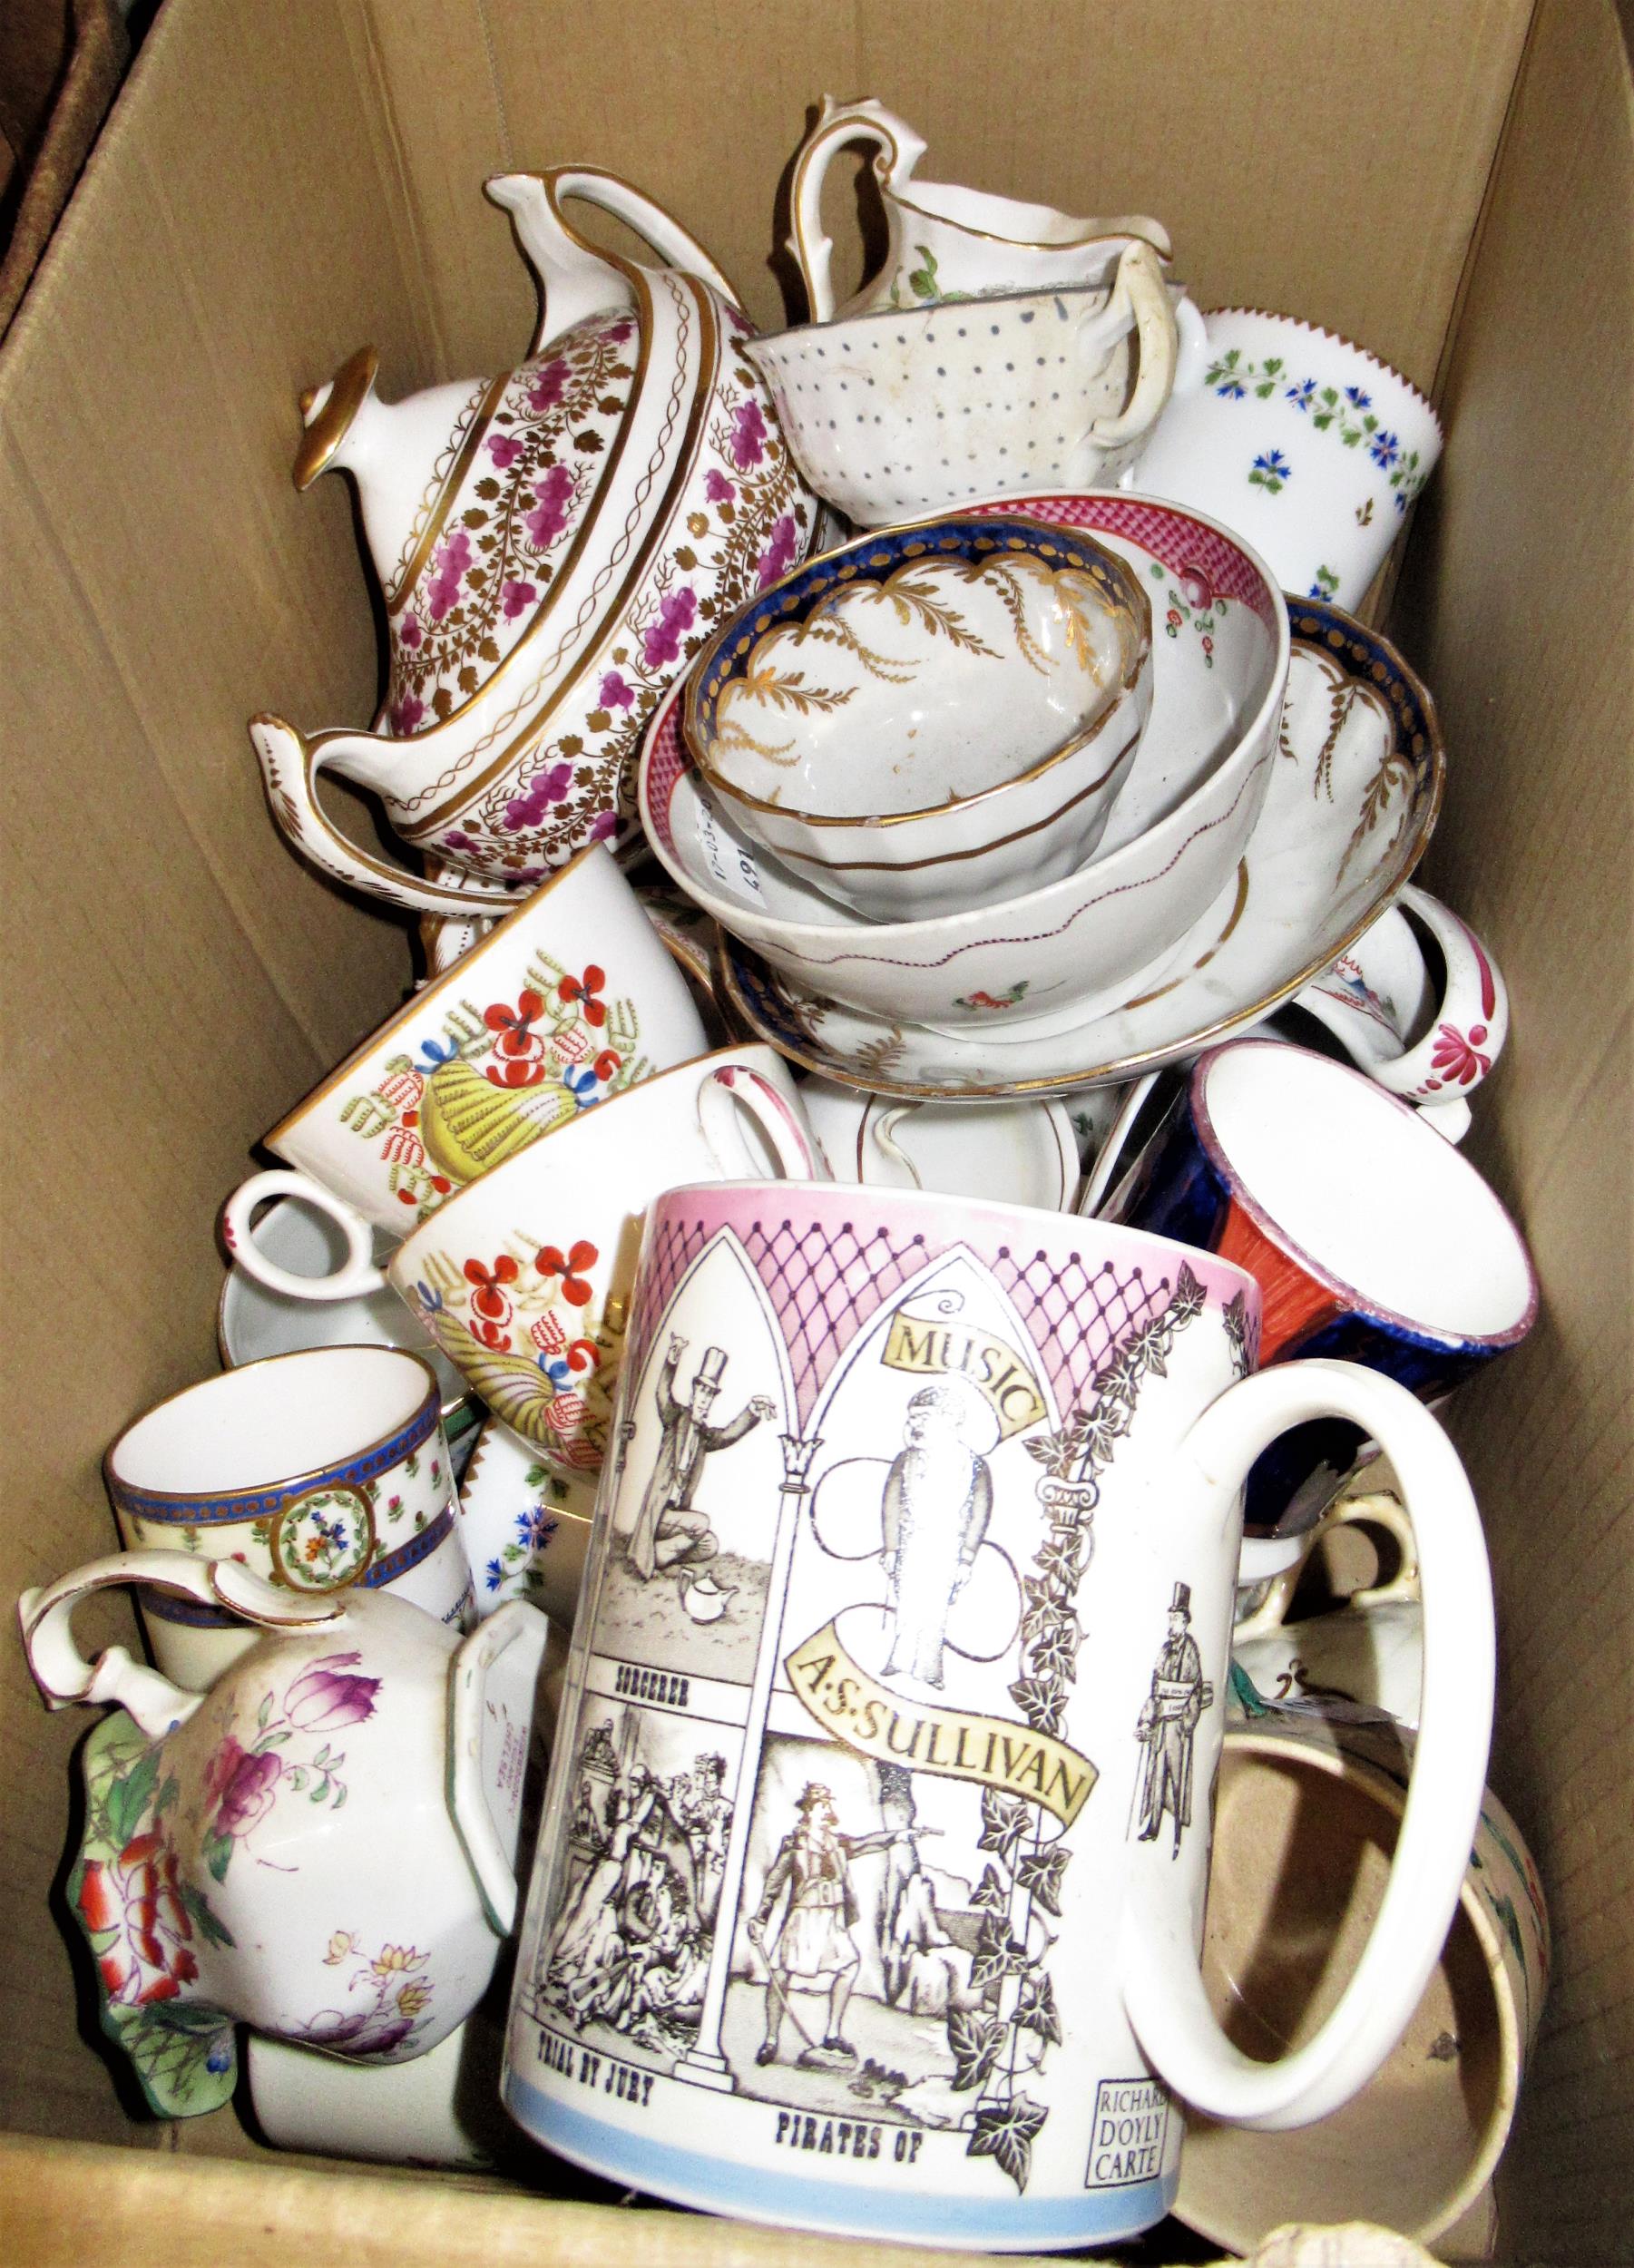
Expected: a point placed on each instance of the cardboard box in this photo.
(1451, 184)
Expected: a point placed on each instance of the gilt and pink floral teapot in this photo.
(321, 1846)
(553, 544)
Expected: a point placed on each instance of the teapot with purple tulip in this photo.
(321, 1846)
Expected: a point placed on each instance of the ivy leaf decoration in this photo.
(975, 2039)
(997, 1955)
(1041, 1871)
(1004, 1823)
(1035, 2006)
(994, 1896)
(1053, 1642)
(1062, 1558)
(1042, 1701)
(1006, 2131)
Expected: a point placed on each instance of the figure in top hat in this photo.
(669, 1529)
(1168, 1724)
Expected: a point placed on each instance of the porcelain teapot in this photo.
(944, 242)
(553, 545)
(321, 1846)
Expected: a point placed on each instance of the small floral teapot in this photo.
(553, 544)
(321, 1846)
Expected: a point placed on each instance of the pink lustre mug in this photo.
(320, 1471)
(522, 1279)
(868, 1900)
(569, 999)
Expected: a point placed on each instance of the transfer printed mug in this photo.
(871, 1904)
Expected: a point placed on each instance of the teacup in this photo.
(1021, 1153)
(1362, 1548)
(1308, 1813)
(925, 408)
(569, 999)
(944, 242)
(321, 1472)
(1309, 443)
(320, 1847)
(523, 1277)
(928, 719)
(1371, 1238)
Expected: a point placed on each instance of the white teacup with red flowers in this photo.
(523, 1277)
(321, 1846)
(569, 999)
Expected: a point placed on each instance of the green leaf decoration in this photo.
(171, 2048)
(204, 1917)
(127, 1800)
(218, 1855)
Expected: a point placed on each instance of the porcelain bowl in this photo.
(921, 409)
(1174, 841)
(929, 719)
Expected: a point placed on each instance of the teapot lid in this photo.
(329, 411)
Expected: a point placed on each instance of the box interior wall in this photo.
(1454, 185)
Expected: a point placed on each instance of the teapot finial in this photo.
(327, 412)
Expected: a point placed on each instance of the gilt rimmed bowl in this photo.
(1049, 957)
(929, 719)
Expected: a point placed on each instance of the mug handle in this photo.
(1378, 1511)
(357, 1273)
(898, 150)
(495, 1680)
(64, 1675)
(791, 1144)
(1139, 286)
(290, 764)
(1163, 1991)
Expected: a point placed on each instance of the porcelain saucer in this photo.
(252, 1322)
(1356, 788)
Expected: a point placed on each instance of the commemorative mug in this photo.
(872, 1904)
(319, 1471)
(1374, 1240)
(570, 999)
(523, 1278)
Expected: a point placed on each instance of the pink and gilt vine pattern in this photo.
(559, 1045)
(529, 481)
(746, 521)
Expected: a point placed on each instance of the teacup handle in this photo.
(1140, 287)
(290, 764)
(1098, 1181)
(1378, 1511)
(64, 1675)
(791, 1145)
(1163, 1989)
(1467, 1031)
(358, 1273)
(898, 150)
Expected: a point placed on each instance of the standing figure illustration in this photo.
(586, 1933)
(814, 1942)
(705, 1818)
(937, 1502)
(668, 1529)
(1168, 1724)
